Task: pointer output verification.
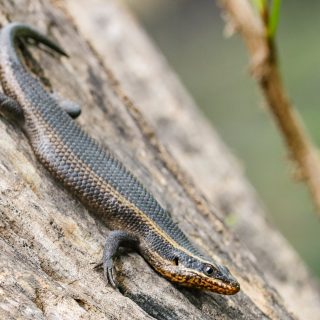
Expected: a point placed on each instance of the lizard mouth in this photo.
(199, 281)
(223, 288)
(211, 284)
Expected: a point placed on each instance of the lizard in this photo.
(101, 182)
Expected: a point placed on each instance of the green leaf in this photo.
(274, 18)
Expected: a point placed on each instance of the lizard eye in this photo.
(208, 269)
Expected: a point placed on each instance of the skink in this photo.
(97, 178)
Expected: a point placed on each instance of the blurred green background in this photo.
(215, 71)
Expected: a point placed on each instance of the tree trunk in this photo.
(50, 243)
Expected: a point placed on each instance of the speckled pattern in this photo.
(100, 181)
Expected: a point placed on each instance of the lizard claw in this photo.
(98, 266)
(108, 271)
(109, 274)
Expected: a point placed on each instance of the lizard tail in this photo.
(15, 30)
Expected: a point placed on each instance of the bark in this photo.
(50, 243)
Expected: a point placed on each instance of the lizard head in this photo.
(196, 272)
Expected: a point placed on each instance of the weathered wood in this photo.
(50, 243)
(197, 147)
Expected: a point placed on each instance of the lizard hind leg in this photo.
(70, 107)
(11, 108)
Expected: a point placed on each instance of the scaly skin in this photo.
(101, 182)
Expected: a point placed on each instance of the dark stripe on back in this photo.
(100, 160)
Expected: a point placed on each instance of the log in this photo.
(50, 243)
